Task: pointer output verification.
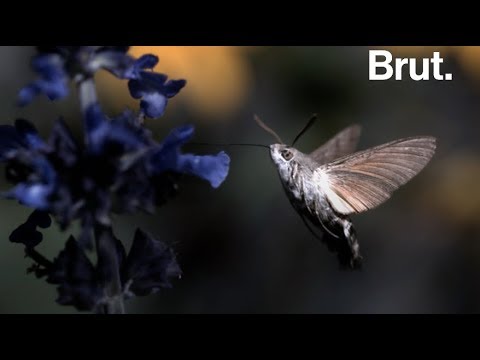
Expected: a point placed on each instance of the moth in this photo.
(333, 182)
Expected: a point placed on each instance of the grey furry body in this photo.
(299, 178)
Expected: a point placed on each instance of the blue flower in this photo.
(119, 134)
(52, 80)
(23, 135)
(153, 89)
(118, 160)
(86, 60)
(212, 168)
(168, 157)
(72, 181)
(56, 65)
(36, 193)
(28, 134)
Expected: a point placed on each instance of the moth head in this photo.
(282, 154)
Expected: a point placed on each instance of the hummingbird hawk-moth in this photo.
(333, 182)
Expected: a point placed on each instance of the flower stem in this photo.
(87, 95)
(108, 262)
(87, 92)
(105, 242)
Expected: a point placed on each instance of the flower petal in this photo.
(153, 105)
(165, 156)
(116, 62)
(116, 138)
(29, 134)
(76, 277)
(154, 90)
(178, 136)
(147, 61)
(94, 117)
(213, 168)
(147, 82)
(34, 195)
(28, 93)
(27, 233)
(150, 265)
(61, 141)
(9, 140)
(173, 87)
(144, 62)
(53, 80)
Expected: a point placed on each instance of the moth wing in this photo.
(366, 179)
(344, 143)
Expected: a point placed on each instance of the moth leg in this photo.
(310, 228)
(324, 227)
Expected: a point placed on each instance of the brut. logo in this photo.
(389, 70)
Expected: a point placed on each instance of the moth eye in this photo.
(287, 155)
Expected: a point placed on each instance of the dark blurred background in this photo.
(242, 247)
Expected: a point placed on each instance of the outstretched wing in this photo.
(344, 143)
(366, 179)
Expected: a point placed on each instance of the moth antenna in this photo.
(267, 129)
(305, 128)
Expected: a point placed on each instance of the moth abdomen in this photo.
(339, 234)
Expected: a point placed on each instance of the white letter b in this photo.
(374, 64)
